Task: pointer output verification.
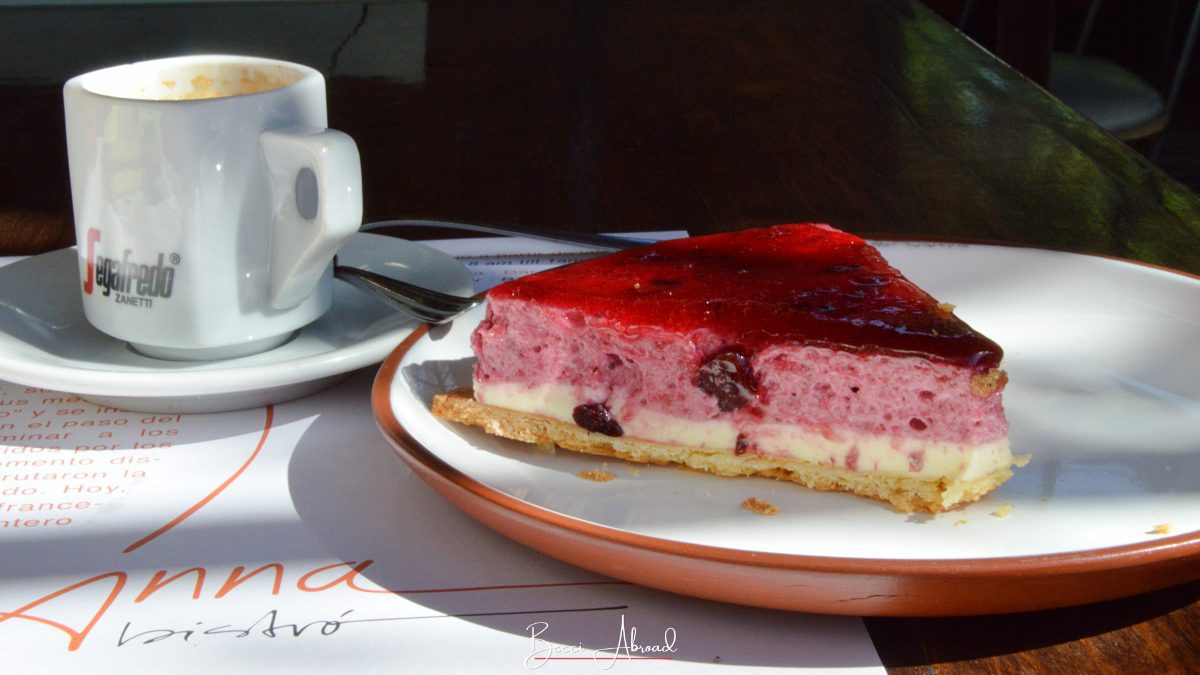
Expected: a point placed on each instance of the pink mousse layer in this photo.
(826, 390)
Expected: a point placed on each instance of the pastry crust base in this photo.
(905, 494)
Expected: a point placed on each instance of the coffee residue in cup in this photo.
(204, 87)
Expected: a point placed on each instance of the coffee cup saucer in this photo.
(46, 342)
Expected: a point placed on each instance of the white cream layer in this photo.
(910, 457)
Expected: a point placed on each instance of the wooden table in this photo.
(875, 116)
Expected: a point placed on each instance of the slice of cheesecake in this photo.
(794, 352)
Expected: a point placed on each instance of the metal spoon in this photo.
(425, 304)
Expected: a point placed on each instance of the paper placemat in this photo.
(292, 538)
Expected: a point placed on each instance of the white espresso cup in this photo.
(209, 200)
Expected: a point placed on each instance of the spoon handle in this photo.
(595, 241)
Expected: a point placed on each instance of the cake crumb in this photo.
(960, 522)
(596, 475)
(1003, 511)
(1021, 460)
(548, 447)
(633, 470)
(986, 384)
(945, 308)
(1161, 528)
(762, 508)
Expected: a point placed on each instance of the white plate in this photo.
(46, 342)
(1104, 393)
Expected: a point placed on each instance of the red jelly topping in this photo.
(803, 284)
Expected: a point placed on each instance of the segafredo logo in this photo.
(129, 282)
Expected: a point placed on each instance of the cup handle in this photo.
(316, 184)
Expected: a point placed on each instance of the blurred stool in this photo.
(1116, 99)
(1113, 97)
(1124, 104)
